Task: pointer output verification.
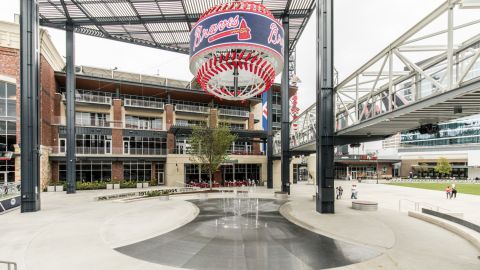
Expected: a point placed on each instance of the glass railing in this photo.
(92, 123)
(191, 108)
(104, 150)
(93, 97)
(141, 103)
(233, 112)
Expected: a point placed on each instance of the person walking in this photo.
(454, 192)
(354, 192)
(339, 191)
(448, 191)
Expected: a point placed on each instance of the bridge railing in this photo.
(420, 64)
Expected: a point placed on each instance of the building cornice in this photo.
(10, 38)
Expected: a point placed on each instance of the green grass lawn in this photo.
(461, 188)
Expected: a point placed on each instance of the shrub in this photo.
(128, 184)
(91, 185)
(155, 193)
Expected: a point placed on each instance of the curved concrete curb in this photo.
(284, 210)
(467, 234)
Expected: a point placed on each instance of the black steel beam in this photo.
(163, 18)
(325, 108)
(270, 138)
(285, 132)
(70, 92)
(29, 116)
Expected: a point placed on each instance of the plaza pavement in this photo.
(75, 232)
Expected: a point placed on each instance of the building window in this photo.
(276, 115)
(190, 122)
(182, 145)
(160, 173)
(194, 174)
(88, 171)
(147, 123)
(8, 95)
(240, 172)
(89, 144)
(92, 119)
(234, 126)
(137, 145)
(62, 146)
(137, 171)
(277, 98)
(241, 148)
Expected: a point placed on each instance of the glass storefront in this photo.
(88, 171)
(137, 171)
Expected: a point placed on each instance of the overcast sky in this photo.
(362, 29)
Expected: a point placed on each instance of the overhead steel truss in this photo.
(419, 65)
(423, 76)
(163, 24)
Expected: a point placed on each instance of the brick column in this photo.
(251, 126)
(152, 173)
(54, 168)
(251, 122)
(217, 176)
(169, 116)
(117, 171)
(117, 134)
(213, 118)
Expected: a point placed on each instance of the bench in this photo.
(365, 205)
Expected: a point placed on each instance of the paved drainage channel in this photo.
(245, 233)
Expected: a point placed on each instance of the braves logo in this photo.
(224, 28)
(242, 32)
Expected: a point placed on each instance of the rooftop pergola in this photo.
(163, 24)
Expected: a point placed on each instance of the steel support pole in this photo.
(285, 132)
(29, 116)
(70, 91)
(450, 62)
(269, 139)
(325, 108)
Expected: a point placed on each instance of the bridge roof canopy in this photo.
(163, 24)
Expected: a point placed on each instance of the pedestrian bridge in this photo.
(426, 76)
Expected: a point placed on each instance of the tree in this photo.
(443, 167)
(423, 167)
(209, 147)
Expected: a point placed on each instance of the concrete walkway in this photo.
(406, 243)
(75, 232)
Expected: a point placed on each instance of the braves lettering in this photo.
(232, 24)
(275, 38)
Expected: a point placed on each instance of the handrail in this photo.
(418, 208)
(9, 265)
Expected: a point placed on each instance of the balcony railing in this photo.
(191, 108)
(141, 103)
(93, 97)
(233, 112)
(111, 151)
(143, 127)
(145, 151)
(93, 123)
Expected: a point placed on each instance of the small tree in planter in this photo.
(443, 167)
(209, 147)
